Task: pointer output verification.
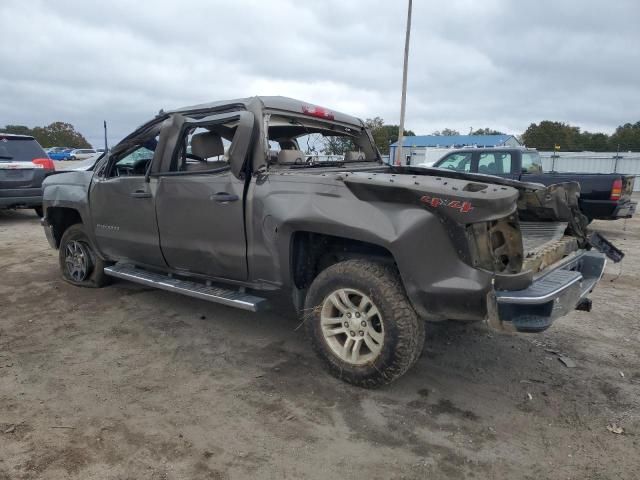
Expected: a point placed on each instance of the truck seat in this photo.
(291, 157)
(354, 156)
(206, 145)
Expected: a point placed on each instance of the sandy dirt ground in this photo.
(127, 382)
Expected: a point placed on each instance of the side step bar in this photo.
(230, 298)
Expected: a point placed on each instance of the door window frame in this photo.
(487, 152)
(241, 141)
(471, 160)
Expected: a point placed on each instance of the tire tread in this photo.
(410, 328)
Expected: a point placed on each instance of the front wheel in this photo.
(78, 260)
(361, 323)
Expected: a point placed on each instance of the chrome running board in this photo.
(231, 298)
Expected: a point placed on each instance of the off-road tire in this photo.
(404, 331)
(95, 277)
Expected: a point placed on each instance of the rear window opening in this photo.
(301, 141)
(20, 149)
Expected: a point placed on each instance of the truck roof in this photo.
(285, 104)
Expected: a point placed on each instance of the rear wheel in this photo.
(362, 324)
(78, 261)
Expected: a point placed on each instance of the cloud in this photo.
(496, 63)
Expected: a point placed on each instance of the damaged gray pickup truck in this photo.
(229, 200)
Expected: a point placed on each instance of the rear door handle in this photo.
(140, 194)
(224, 197)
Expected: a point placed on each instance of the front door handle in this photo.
(224, 197)
(140, 194)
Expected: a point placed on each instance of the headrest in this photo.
(354, 156)
(288, 144)
(291, 157)
(207, 145)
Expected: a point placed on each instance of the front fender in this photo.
(69, 190)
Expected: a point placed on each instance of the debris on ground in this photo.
(11, 429)
(567, 361)
(615, 428)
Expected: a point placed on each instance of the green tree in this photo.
(594, 142)
(486, 131)
(449, 132)
(384, 135)
(336, 145)
(446, 132)
(16, 129)
(56, 134)
(548, 134)
(626, 137)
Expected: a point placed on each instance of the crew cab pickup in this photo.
(605, 196)
(225, 201)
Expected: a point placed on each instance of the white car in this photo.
(81, 153)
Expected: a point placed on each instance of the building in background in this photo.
(429, 148)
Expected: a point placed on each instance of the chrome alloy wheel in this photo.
(352, 326)
(77, 260)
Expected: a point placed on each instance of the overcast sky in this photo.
(490, 63)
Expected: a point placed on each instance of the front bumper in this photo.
(553, 294)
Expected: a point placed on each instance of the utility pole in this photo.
(403, 101)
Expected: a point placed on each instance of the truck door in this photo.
(199, 198)
(122, 200)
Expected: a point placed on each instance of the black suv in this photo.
(23, 167)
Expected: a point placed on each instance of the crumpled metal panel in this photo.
(536, 234)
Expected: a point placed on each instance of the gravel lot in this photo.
(126, 382)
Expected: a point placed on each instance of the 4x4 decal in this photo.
(435, 202)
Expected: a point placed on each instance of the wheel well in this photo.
(61, 218)
(313, 252)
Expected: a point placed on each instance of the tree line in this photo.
(548, 135)
(56, 134)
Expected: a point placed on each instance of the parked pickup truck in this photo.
(219, 201)
(605, 196)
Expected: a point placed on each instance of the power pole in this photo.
(403, 101)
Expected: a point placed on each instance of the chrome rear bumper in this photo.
(553, 294)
